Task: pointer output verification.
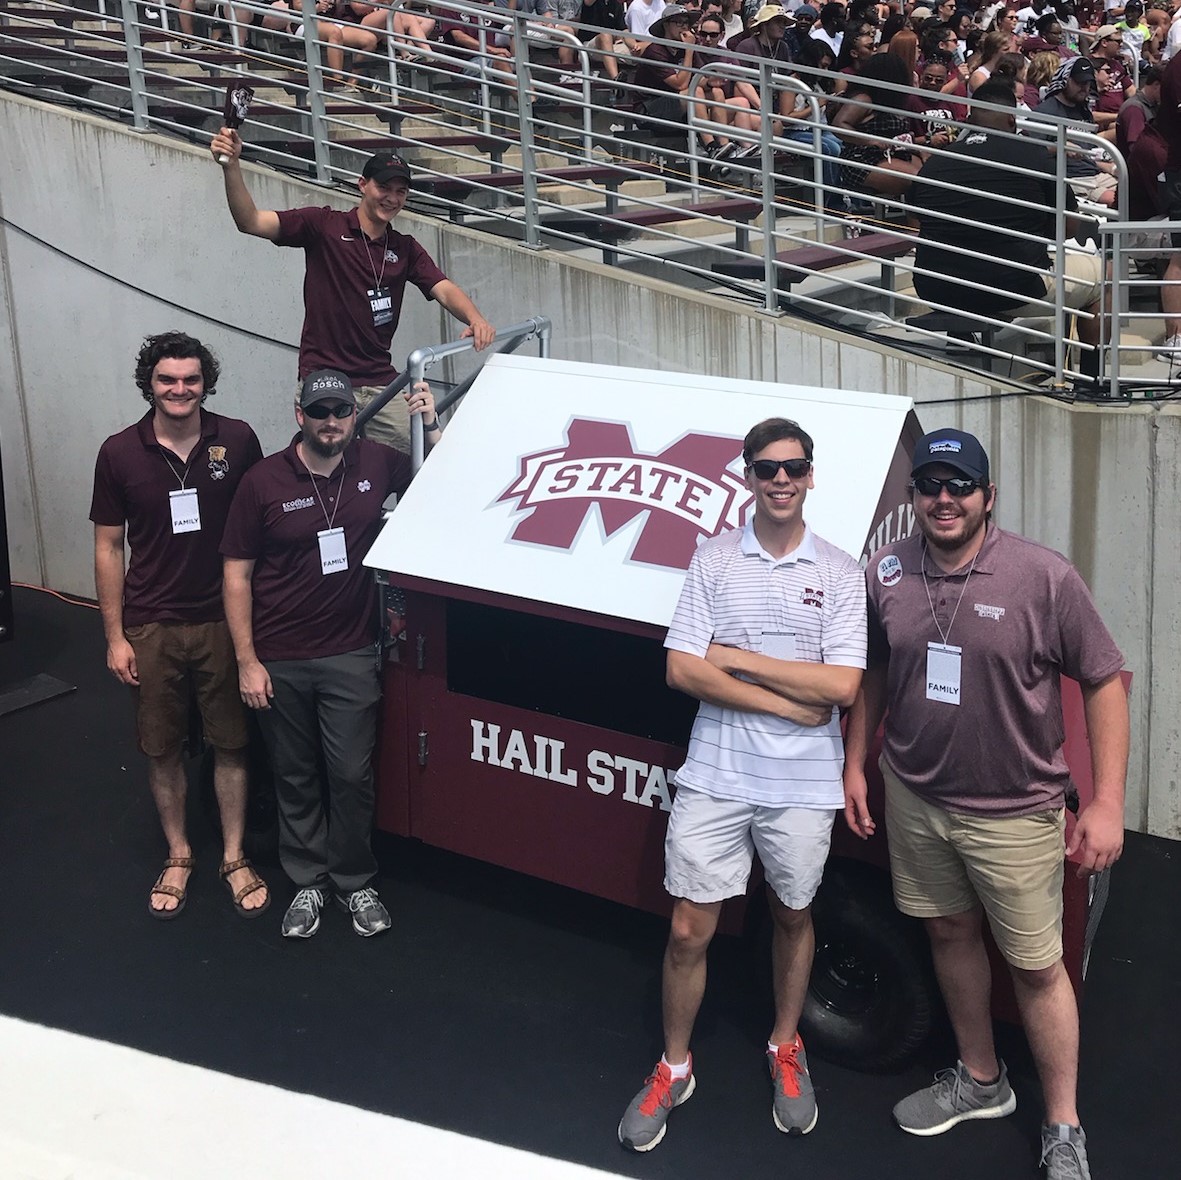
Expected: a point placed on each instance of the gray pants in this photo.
(325, 707)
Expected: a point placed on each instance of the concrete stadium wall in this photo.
(135, 239)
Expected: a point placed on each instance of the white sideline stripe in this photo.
(73, 1108)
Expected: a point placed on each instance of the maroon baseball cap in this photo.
(384, 167)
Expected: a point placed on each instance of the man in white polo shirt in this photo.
(769, 634)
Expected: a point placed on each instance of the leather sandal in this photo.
(250, 887)
(173, 862)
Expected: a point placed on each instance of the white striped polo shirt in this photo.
(737, 594)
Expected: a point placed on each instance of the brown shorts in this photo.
(168, 656)
(943, 862)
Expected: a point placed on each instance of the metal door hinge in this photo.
(422, 747)
(420, 651)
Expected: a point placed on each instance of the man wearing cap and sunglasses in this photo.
(769, 635)
(357, 268)
(970, 628)
(302, 611)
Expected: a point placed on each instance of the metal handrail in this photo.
(421, 359)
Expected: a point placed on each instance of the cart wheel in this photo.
(872, 991)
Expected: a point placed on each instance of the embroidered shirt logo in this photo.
(219, 467)
(989, 612)
(810, 597)
(686, 491)
(390, 256)
(363, 485)
(297, 504)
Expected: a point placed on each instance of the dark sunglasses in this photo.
(769, 468)
(322, 410)
(928, 485)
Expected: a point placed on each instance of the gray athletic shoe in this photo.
(302, 918)
(369, 915)
(644, 1122)
(954, 1097)
(794, 1108)
(1064, 1153)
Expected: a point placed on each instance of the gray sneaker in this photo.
(644, 1122)
(794, 1107)
(1064, 1153)
(302, 918)
(369, 915)
(954, 1097)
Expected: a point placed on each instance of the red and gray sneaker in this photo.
(794, 1108)
(644, 1122)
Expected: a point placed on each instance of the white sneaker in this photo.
(569, 79)
(1170, 349)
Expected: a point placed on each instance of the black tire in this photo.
(872, 992)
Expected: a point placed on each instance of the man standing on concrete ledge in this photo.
(970, 629)
(302, 610)
(164, 486)
(357, 268)
(769, 635)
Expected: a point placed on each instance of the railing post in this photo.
(767, 162)
(136, 82)
(1060, 255)
(319, 123)
(524, 76)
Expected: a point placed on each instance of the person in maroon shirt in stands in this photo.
(163, 487)
(302, 610)
(1168, 123)
(971, 628)
(357, 268)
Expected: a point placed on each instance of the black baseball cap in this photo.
(953, 448)
(326, 385)
(384, 167)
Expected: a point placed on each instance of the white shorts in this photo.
(710, 847)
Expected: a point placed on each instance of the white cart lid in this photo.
(589, 486)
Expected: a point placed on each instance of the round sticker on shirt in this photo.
(889, 570)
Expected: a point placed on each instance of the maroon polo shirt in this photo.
(1168, 114)
(1026, 618)
(342, 264)
(657, 64)
(301, 613)
(171, 578)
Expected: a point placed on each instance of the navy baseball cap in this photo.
(324, 385)
(953, 448)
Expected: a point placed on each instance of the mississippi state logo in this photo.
(219, 466)
(686, 490)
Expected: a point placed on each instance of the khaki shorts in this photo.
(170, 656)
(1084, 286)
(943, 862)
(710, 846)
(390, 425)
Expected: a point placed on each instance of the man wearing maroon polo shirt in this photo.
(970, 629)
(164, 486)
(357, 268)
(302, 610)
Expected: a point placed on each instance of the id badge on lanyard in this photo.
(779, 645)
(943, 673)
(381, 303)
(334, 557)
(186, 512)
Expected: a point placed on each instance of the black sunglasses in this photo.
(928, 485)
(769, 468)
(322, 410)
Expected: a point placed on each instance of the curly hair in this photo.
(174, 346)
(771, 430)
